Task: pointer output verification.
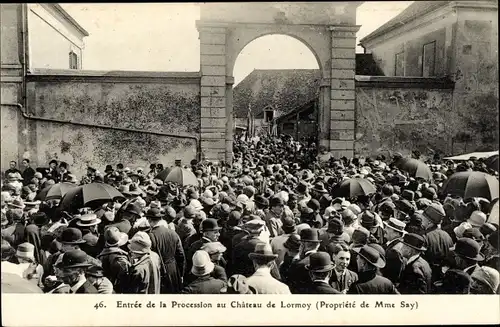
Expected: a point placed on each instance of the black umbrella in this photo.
(89, 195)
(471, 184)
(54, 191)
(415, 168)
(355, 187)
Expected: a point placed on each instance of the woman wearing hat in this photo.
(115, 259)
(369, 261)
(204, 282)
(216, 250)
(29, 269)
(144, 276)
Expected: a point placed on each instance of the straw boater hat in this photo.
(26, 251)
(17, 204)
(202, 265)
(88, 220)
(395, 224)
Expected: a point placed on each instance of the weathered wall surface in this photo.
(403, 119)
(476, 77)
(153, 102)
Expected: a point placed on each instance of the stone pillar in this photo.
(12, 66)
(213, 92)
(229, 121)
(343, 95)
(324, 114)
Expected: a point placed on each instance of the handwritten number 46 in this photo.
(99, 305)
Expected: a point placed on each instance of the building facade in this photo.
(55, 39)
(455, 39)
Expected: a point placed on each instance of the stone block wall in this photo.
(150, 103)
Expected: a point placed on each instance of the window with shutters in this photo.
(429, 59)
(73, 60)
(400, 64)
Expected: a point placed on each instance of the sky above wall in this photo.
(163, 37)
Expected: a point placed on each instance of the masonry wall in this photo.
(407, 119)
(148, 102)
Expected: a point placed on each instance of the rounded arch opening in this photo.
(273, 51)
(276, 86)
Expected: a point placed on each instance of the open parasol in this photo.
(181, 176)
(354, 187)
(89, 195)
(471, 184)
(54, 191)
(415, 168)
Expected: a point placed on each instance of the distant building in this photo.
(436, 38)
(267, 95)
(55, 39)
(455, 39)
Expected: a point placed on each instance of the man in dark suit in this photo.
(167, 244)
(241, 263)
(298, 275)
(320, 270)
(72, 272)
(28, 172)
(210, 233)
(393, 231)
(417, 275)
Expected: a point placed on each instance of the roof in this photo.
(416, 9)
(70, 19)
(282, 89)
(286, 89)
(300, 108)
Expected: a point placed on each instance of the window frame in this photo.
(402, 53)
(73, 60)
(432, 73)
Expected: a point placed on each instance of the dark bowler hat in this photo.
(371, 255)
(335, 225)
(133, 208)
(302, 187)
(414, 241)
(71, 236)
(408, 195)
(293, 242)
(73, 259)
(435, 213)
(468, 248)
(260, 200)
(288, 225)
(320, 262)
(368, 219)
(263, 251)
(154, 214)
(313, 204)
(309, 235)
(209, 225)
(276, 201)
(395, 224)
(320, 188)
(387, 208)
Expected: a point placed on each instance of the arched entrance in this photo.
(277, 77)
(327, 28)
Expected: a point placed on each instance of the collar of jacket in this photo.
(112, 250)
(142, 260)
(367, 275)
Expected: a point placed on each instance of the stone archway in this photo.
(327, 28)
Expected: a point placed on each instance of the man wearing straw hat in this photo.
(262, 281)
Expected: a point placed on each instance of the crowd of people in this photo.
(272, 222)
